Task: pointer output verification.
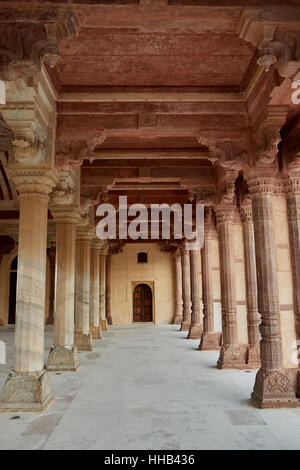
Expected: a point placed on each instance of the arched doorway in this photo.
(12, 291)
(142, 303)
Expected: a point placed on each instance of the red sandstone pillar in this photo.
(230, 351)
(273, 384)
(253, 317)
(178, 288)
(186, 287)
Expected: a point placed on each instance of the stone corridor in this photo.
(145, 387)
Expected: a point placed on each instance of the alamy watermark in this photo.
(2, 352)
(117, 223)
(296, 93)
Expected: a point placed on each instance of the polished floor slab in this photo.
(147, 387)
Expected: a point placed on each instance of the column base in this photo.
(274, 389)
(26, 392)
(109, 320)
(84, 341)
(236, 356)
(62, 358)
(177, 320)
(96, 331)
(103, 324)
(195, 332)
(210, 341)
(185, 325)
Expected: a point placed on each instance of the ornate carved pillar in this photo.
(186, 287)
(196, 328)
(51, 255)
(95, 327)
(230, 352)
(178, 288)
(28, 386)
(83, 337)
(103, 321)
(251, 285)
(210, 339)
(63, 354)
(273, 385)
(107, 290)
(293, 205)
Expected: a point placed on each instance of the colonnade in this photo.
(79, 312)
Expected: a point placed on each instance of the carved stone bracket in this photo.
(72, 153)
(223, 152)
(30, 35)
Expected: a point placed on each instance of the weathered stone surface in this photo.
(63, 358)
(26, 392)
(84, 341)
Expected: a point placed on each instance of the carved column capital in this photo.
(225, 213)
(246, 213)
(31, 181)
(262, 181)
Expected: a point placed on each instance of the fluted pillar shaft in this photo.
(63, 354)
(251, 278)
(28, 386)
(210, 340)
(83, 338)
(186, 287)
(196, 328)
(225, 219)
(273, 385)
(103, 320)
(178, 288)
(95, 327)
(230, 351)
(107, 282)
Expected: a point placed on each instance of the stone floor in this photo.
(146, 387)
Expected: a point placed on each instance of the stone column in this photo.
(83, 337)
(186, 287)
(28, 385)
(210, 339)
(251, 285)
(95, 327)
(178, 288)
(230, 351)
(273, 384)
(51, 254)
(196, 328)
(103, 321)
(63, 354)
(107, 284)
(293, 206)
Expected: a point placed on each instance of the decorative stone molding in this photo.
(274, 389)
(30, 35)
(261, 180)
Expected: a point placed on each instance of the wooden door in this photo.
(142, 303)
